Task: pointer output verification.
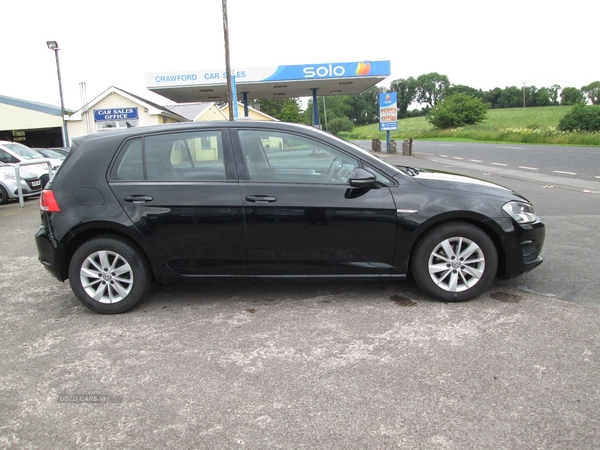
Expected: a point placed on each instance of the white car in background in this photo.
(12, 153)
(30, 183)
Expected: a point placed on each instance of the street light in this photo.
(53, 45)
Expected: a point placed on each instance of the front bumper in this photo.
(522, 248)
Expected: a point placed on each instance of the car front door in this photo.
(302, 217)
(181, 192)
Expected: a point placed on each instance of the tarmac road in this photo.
(257, 364)
(569, 206)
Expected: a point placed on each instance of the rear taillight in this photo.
(48, 202)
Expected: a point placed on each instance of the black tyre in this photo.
(454, 262)
(109, 275)
(3, 195)
(44, 180)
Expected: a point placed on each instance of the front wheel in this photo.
(109, 275)
(454, 262)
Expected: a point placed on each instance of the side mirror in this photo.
(361, 178)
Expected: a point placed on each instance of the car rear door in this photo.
(181, 192)
(302, 217)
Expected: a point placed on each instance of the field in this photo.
(517, 125)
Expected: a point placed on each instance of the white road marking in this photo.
(444, 156)
(456, 157)
(512, 148)
(528, 168)
(475, 160)
(596, 177)
(499, 164)
(564, 173)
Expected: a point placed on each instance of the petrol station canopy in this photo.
(304, 80)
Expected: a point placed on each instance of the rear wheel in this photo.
(109, 275)
(3, 195)
(454, 262)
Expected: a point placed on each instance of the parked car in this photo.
(30, 183)
(198, 200)
(12, 153)
(51, 154)
(62, 150)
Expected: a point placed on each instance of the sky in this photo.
(482, 44)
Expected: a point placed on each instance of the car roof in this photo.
(183, 126)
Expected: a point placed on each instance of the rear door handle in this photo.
(261, 199)
(138, 198)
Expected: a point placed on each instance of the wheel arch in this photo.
(487, 225)
(86, 232)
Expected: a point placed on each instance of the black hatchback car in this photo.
(266, 199)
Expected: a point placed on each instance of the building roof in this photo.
(191, 111)
(33, 106)
(153, 108)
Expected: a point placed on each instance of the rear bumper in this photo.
(47, 252)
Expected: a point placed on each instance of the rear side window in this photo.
(192, 156)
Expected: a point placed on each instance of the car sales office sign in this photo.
(104, 115)
(388, 111)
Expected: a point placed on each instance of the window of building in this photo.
(116, 125)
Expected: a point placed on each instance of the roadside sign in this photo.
(388, 111)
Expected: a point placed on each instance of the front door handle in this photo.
(261, 199)
(138, 198)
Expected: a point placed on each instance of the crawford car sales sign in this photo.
(102, 115)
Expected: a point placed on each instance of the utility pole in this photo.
(227, 63)
(524, 93)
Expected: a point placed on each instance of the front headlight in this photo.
(521, 212)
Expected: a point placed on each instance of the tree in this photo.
(338, 124)
(571, 96)
(406, 90)
(553, 93)
(330, 107)
(530, 95)
(542, 97)
(592, 91)
(431, 88)
(290, 113)
(462, 89)
(510, 97)
(456, 111)
(366, 106)
(274, 106)
(581, 118)
(491, 97)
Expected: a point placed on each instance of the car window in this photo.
(22, 151)
(8, 158)
(378, 176)
(192, 156)
(285, 157)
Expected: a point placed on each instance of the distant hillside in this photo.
(521, 125)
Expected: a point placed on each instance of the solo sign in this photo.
(101, 115)
(388, 111)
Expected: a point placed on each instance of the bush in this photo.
(457, 111)
(581, 118)
(334, 126)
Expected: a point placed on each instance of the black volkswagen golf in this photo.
(266, 199)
